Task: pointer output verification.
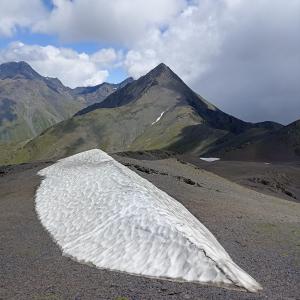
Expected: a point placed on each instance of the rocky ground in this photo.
(276, 178)
(260, 232)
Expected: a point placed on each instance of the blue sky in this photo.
(28, 37)
(48, 4)
(243, 56)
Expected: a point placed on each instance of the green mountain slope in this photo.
(30, 103)
(157, 111)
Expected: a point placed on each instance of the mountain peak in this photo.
(161, 76)
(159, 70)
(126, 81)
(19, 69)
(162, 67)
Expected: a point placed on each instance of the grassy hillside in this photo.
(31, 103)
(157, 111)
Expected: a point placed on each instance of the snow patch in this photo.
(210, 159)
(158, 118)
(100, 212)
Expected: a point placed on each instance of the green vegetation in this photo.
(156, 112)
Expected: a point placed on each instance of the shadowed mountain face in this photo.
(30, 103)
(157, 111)
(282, 144)
(160, 78)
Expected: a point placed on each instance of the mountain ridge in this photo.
(155, 112)
(282, 144)
(98, 93)
(123, 97)
(30, 102)
(10, 70)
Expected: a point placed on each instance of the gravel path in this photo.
(260, 232)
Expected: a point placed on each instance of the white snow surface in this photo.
(100, 212)
(160, 116)
(210, 159)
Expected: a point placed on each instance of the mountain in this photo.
(157, 111)
(18, 70)
(282, 144)
(98, 93)
(30, 103)
(162, 84)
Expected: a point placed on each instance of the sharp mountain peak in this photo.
(162, 67)
(161, 75)
(162, 70)
(162, 113)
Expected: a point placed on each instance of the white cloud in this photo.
(107, 57)
(244, 56)
(118, 21)
(19, 13)
(138, 63)
(189, 44)
(72, 68)
(94, 79)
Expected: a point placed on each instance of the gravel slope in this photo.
(281, 179)
(260, 232)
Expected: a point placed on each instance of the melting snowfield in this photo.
(100, 212)
(210, 159)
(159, 117)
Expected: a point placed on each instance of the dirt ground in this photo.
(260, 232)
(276, 179)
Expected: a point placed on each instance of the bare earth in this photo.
(259, 231)
(276, 179)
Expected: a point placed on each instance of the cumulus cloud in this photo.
(244, 56)
(72, 68)
(19, 13)
(118, 21)
(188, 46)
(256, 74)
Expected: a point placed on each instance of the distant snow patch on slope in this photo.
(210, 159)
(100, 212)
(158, 118)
